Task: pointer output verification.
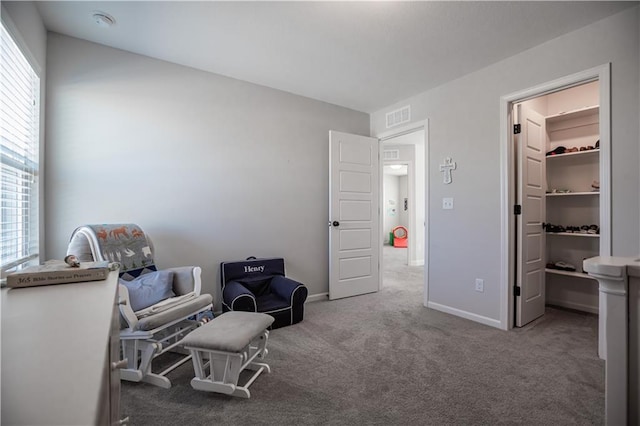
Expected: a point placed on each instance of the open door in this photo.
(354, 248)
(531, 142)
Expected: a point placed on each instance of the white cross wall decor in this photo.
(448, 165)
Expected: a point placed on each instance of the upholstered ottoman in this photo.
(224, 347)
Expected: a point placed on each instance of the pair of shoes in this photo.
(586, 148)
(589, 229)
(565, 266)
(549, 227)
(558, 150)
(558, 191)
(561, 266)
(572, 149)
(573, 229)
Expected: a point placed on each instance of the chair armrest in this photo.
(287, 289)
(238, 298)
(124, 305)
(186, 279)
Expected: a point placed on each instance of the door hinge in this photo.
(517, 209)
(516, 290)
(517, 129)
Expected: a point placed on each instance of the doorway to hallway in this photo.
(403, 211)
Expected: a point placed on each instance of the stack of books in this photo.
(58, 272)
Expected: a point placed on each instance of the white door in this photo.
(354, 248)
(531, 196)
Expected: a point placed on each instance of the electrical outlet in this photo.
(447, 203)
(480, 285)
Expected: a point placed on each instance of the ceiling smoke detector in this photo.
(103, 20)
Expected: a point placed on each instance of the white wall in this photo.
(28, 23)
(582, 96)
(464, 123)
(213, 169)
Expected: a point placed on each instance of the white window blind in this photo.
(19, 135)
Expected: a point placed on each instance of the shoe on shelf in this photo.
(558, 150)
(593, 229)
(572, 149)
(549, 227)
(595, 185)
(563, 266)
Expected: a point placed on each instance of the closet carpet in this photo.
(384, 359)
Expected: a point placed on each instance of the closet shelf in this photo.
(569, 273)
(576, 113)
(574, 234)
(569, 154)
(566, 194)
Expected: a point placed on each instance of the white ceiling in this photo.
(361, 55)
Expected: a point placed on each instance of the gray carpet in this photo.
(384, 359)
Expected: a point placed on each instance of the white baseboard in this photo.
(317, 297)
(464, 314)
(572, 305)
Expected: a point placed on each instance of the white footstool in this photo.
(226, 346)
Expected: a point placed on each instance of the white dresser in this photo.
(59, 354)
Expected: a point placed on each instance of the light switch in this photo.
(447, 203)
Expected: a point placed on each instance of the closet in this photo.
(572, 194)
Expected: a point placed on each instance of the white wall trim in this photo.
(403, 130)
(317, 297)
(507, 185)
(464, 314)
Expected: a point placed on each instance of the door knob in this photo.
(336, 223)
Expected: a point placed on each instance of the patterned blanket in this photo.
(124, 243)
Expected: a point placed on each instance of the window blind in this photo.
(19, 149)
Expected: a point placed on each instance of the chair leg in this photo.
(148, 350)
(140, 370)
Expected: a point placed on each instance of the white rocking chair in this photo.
(150, 332)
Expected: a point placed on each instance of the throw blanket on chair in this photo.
(124, 243)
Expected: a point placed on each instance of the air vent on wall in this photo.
(399, 116)
(391, 154)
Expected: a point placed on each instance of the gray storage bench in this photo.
(229, 343)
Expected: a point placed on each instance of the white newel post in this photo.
(611, 273)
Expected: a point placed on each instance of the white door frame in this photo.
(393, 133)
(508, 183)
